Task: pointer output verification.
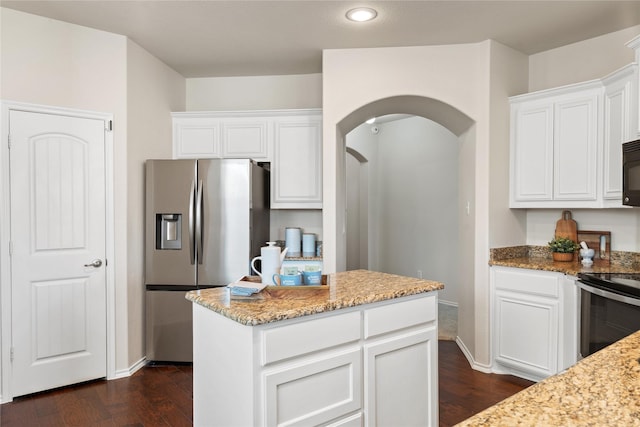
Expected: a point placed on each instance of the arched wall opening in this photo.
(402, 200)
(446, 115)
(464, 128)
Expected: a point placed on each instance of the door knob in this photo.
(96, 263)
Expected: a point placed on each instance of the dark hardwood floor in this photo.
(162, 396)
(463, 391)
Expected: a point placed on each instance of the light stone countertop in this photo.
(600, 390)
(570, 268)
(344, 289)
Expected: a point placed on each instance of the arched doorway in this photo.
(402, 200)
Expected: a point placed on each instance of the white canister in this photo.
(292, 237)
(308, 244)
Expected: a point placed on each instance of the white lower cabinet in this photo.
(394, 378)
(533, 322)
(351, 367)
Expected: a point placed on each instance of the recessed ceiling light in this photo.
(361, 14)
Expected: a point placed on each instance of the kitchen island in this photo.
(361, 349)
(600, 390)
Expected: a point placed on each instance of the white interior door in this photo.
(58, 280)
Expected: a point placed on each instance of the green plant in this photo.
(563, 245)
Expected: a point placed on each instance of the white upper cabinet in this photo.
(554, 147)
(531, 151)
(575, 145)
(195, 137)
(290, 139)
(635, 89)
(245, 138)
(620, 126)
(296, 171)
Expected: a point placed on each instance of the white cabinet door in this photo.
(555, 140)
(196, 138)
(245, 138)
(619, 127)
(575, 146)
(527, 322)
(526, 333)
(315, 391)
(296, 171)
(532, 151)
(399, 370)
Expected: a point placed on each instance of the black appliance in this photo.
(631, 173)
(609, 309)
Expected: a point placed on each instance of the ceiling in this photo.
(241, 38)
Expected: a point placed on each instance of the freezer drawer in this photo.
(169, 327)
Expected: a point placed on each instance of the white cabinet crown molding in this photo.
(246, 113)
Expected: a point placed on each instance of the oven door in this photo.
(605, 317)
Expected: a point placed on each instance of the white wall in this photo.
(50, 62)
(263, 93)
(153, 91)
(44, 61)
(254, 93)
(416, 197)
(508, 77)
(581, 61)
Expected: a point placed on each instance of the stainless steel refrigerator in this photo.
(205, 221)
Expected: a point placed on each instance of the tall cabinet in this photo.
(291, 140)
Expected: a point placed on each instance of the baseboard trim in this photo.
(449, 303)
(474, 365)
(124, 373)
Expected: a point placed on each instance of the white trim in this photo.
(124, 373)
(449, 303)
(5, 261)
(474, 365)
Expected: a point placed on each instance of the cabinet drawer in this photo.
(306, 337)
(315, 392)
(528, 281)
(391, 317)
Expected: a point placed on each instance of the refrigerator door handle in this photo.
(199, 215)
(192, 194)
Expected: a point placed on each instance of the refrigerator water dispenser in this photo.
(168, 231)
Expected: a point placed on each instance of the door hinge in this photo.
(10, 248)
(9, 141)
(109, 127)
(11, 354)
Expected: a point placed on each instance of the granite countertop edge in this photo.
(346, 289)
(602, 389)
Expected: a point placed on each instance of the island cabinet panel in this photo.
(333, 381)
(398, 370)
(393, 317)
(306, 337)
(320, 369)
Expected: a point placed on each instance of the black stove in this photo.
(627, 284)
